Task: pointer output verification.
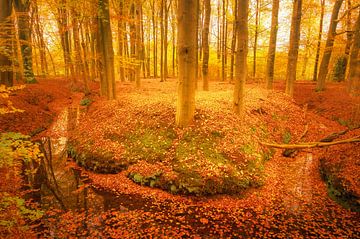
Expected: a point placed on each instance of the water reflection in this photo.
(62, 185)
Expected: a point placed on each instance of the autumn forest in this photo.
(180, 119)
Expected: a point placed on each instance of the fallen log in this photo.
(310, 144)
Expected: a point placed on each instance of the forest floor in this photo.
(292, 203)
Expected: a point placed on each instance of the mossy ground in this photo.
(218, 153)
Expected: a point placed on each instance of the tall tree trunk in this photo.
(354, 70)
(65, 37)
(241, 58)
(186, 41)
(77, 46)
(121, 30)
(22, 8)
(323, 71)
(272, 45)
(139, 44)
(162, 36)
(317, 56)
(205, 45)
(105, 51)
(6, 71)
(223, 42)
(293, 48)
(154, 24)
(349, 40)
(256, 35)
(41, 41)
(233, 43)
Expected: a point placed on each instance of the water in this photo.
(62, 185)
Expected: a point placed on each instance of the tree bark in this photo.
(233, 43)
(6, 71)
(22, 10)
(354, 71)
(272, 45)
(293, 48)
(186, 42)
(317, 56)
(105, 51)
(241, 58)
(323, 71)
(205, 45)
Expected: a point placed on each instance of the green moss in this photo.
(147, 144)
(286, 137)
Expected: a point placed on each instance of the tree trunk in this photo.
(205, 45)
(257, 17)
(241, 57)
(41, 41)
(6, 72)
(105, 51)
(272, 45)
(293, 48)
(328, 47)
(139, 45)
(317, 56)
(162, 36)
(349, 40)
(22, 10)
(233, 43)
(186, 41)
(354, 71)
(121, 30)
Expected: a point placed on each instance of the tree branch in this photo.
(311, 144)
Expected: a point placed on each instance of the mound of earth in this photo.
(217, 154)
(340, 168)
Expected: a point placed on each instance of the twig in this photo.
(311, 144)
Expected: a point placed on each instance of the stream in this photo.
(62, 184)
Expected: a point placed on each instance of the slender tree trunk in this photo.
(139, 45)
(233, 43)
(163, 4)
(349, 40)
(154, 24)
(121, 31)
(6, 71)
(22, 9)
(241, 58)
(272, 45)
(186, 40)
(293, 48)
(354, 70)
(40, 38)
(77, 47)
(105, 51)
(205, 45)
(257, 17)
(223, 42)
(317, 56)
(328, 47)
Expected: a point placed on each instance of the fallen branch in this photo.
(311, 144)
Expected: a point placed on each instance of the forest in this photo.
(180, 119)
